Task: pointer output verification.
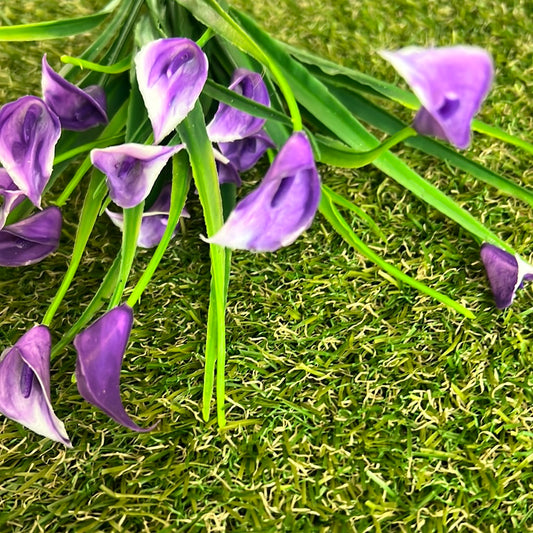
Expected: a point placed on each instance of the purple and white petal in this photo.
(230, 124)
(77, 109)
(25, 385)
(30, 240)
(11, 194)
(281, 208)
(171, 74)
(451, 83)
(132, 169)
(29, 132)
(245, 153)
(101, 348)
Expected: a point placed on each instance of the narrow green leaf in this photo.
(116, 68)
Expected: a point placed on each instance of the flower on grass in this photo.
(281, 207)
(77, 109)
(506, 273)
(25, 385)
(171, 74)
(245, 153)
(154, 220)
(132, 169)
(29, 132)
(451, 83)
(11, 194)
(101, 348)
(30, 240)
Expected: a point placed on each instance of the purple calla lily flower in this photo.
(227, 173)
(101, 348)
(245, 153)
(154, 220)
(77, 109)
(171, 74)
(281, 207)
(30, 240)
(25, 385)
(29, 132)
(230, 124)
(132, 169)
(12, 196)
(506, 273)
(451, 83)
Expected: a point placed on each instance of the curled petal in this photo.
(281, 207)
(25, 385)
(101, 348)
(132, 169)
(245, 153)
(230, 124)
(77, 109)
(451, 83)
(506, 273)
(30, 240)
(28, 134)
(12, 196)
(171, 74)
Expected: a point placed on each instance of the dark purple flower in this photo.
(132, 169)
(451, 83)
(227, 173)
(29, 132)
(25, 385)
(245, 153)
(281, 207)
(230, 124)
(506, 273)
(171, 74)
(30, 240)
(12, 196)
(77, 109)
(154, 220)
(101, 348)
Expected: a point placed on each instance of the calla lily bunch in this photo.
(172, 116)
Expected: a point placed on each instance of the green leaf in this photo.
(116, 68)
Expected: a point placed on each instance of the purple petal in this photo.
(132, 169)
(506, 273)
(171, 74)
(281, 207)
(30, 240)
(12, 196)
(28, 134)
(101, 348)
(227, 173)
(230, 124)
(245, 153)
(25, 385)
(77, 109)
(154, 220)
(451, 83)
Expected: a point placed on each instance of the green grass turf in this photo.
(354, 404)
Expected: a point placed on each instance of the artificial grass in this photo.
(353, 404)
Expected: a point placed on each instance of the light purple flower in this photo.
(132, 169)
(281, 207)
(29, 132)
(12, 196)
(451, 83)
(506, 273)
(25, 385)
(77, 109)
(230, 124)
(154, 220)
(101, 348)
(30, 240)
(171, 74)
(245, 153)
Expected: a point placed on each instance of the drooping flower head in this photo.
(451, 83)
(132, 169)
(245, 153)
(30, 240)
(29, 132)
(171, 74)
(11, 194)
(506, 273)
(77, 109)
(101, 348)
(229, 123)
(281, 207)
(25, 385)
